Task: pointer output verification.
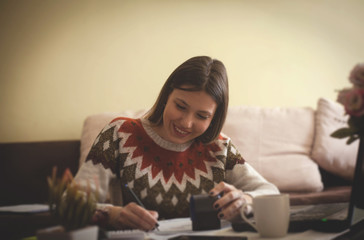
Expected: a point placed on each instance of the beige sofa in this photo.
(290, 147)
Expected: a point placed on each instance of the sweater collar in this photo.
(162, 142)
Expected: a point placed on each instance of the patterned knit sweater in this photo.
(164, 175)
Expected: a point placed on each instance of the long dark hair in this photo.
(200, 73)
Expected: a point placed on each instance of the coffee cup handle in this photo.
(243, 215)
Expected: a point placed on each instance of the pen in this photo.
(137, 200)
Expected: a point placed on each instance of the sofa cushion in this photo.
(333, 154)
(277, 143)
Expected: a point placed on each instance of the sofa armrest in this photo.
(24, 168)
(328, 195)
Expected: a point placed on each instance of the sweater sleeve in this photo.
(101, 163)
(243, 176)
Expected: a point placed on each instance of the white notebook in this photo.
(126, 234)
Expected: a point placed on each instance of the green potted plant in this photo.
(72, 208)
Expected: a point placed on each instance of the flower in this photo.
(356, 76)
(353, 101)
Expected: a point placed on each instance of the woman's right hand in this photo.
(132, 216)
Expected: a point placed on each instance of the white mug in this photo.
(271, 215)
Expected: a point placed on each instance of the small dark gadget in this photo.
(202, 212)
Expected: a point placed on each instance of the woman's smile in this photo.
(180, 132)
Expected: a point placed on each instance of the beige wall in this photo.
(61, 61)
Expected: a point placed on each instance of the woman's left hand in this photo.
(231, 201)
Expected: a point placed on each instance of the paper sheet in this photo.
(24, 208)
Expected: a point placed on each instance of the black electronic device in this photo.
(203, 214)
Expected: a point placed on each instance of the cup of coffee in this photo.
(271, 215)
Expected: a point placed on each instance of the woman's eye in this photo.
(202, 116)
(180, 106)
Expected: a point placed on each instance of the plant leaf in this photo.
(342, 133)
(351, 139)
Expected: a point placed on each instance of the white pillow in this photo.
(333, 154)
(95, 123)
(277, 143)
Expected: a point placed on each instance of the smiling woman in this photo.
(200, 84)
(175, 151)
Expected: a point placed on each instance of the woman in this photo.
(176, 150)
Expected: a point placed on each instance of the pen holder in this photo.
(203, 214)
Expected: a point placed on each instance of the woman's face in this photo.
(186, 116)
